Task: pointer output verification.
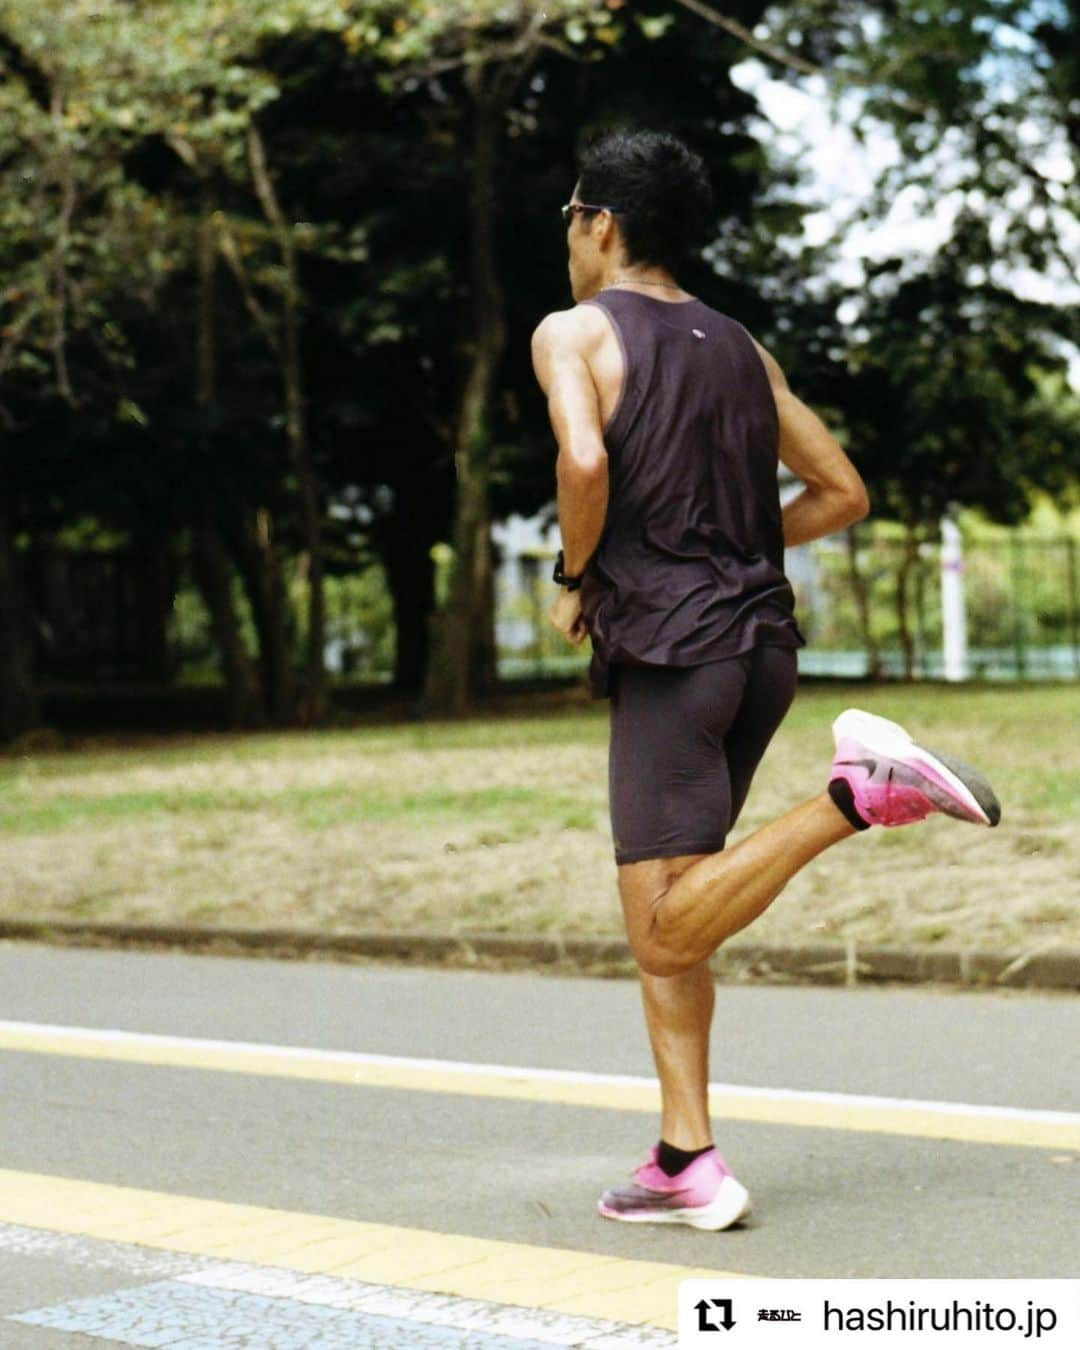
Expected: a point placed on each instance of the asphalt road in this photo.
(398, 1146)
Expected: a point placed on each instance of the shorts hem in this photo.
(630, 855)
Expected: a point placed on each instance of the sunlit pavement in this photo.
(205, 1152)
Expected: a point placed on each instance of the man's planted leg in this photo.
(678, 1013)
(685, 1179)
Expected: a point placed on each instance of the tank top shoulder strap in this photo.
(629, 336)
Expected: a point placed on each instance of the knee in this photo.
(654, 947)
(662, 965)
(656, 958)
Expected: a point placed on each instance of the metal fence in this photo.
(875, 608)
(98, 616)
(869, 604)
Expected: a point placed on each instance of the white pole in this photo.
(953, 614)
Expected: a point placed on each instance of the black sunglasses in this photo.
(572, 209)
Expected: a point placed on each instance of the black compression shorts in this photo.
(685, 743)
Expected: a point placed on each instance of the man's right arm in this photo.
(834, 494)
(559, 348)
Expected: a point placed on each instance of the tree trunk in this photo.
(921, 644)
(19, 707)
(315, 695)
(861, 592)
(903, 587)
(410, 574)
(156, 588)
(260, 566)
(213, 573)
(463, 663)
(483, 655)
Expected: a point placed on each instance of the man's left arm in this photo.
(559, 350)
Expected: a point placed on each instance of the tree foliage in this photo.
(251, 252)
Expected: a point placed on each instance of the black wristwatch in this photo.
(560, 577)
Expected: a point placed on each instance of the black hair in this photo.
(658, 187)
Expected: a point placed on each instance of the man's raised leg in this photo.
(880, 776)
(675, 926)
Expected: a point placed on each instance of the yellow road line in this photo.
(587, 1283)
(817, 1110)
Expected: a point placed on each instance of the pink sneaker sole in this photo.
(731, 1203)
(894, 781)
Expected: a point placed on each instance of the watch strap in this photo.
(561, 578)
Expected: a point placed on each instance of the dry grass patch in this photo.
(500, 824)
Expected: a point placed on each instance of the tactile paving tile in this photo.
(185, 1316)
(196, 1303)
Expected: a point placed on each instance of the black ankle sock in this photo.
(840, 792)
(671, 1160)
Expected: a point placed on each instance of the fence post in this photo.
(953, 613)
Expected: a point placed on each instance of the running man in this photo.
(670, 419)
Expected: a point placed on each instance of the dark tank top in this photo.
(690, 565)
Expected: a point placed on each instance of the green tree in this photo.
(521, 85)
(95, 84)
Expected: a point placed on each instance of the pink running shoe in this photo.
(703, 1195)
(889, 780)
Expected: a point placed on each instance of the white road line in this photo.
(512, 1073)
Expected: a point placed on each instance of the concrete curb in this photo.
(818, 963)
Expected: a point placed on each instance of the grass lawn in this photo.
(499, 824)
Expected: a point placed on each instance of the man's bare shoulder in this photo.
(574, 328)
(566, 335)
